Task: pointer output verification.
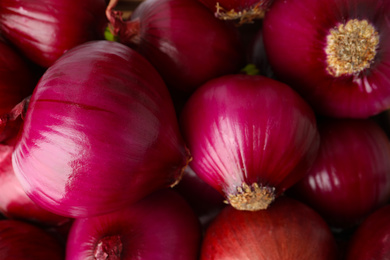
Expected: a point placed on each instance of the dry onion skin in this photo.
(335, 53)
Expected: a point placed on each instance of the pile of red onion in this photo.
(194, 129)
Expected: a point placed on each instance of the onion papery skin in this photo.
(100, 133)
(288, 229)
(238, 10)
(236, 131)
(295, 38)
(371, 239)
(45, 29)
(20, 240)
(184, 42)
(14, 202)
(161, 226)
(350, 177)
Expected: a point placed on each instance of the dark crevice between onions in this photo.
(19, 111)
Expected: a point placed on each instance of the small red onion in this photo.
(14, 203)
(335, 53)
(182, 39)
(100, 133)
(242, 11)
(288, 229)
(351, 176)
(371, 239)
(20, 240)
(45, 29)
(161, 226)
(246, 144)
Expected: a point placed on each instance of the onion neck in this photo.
(251, 198)
(351, 47)
(109, 248)
(245, 16)
(182, 170)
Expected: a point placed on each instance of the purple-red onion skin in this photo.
(100, 133)
(251, 129)
(185, 42)
(161, 226)
(350, 177)
(295, 34)
(45, 29)
(288, 229)
(371, 239)
(20, 240)
(14, 203)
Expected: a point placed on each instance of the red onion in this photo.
(351, 175)
(14, 203)
(100, 133)
(236, 130)
(335, 53)
(44, 29)
(371, 239)
(161, 226)
(182, 39)
(241, 11)
(20, 240)
(286, 230)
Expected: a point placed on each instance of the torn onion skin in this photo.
(241, 12)
(161, 226)
(100, 133)
(288, 229)
(334, 53)
(244, 143)
(350, 177)
(43, 30)
(371, 239)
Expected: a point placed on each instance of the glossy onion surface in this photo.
(161, 226)
(249, 130)
(296, 39)
(184, 41)
(100, 132)
(371, 239)
(44, 29)
(351, 176)
(288, 229)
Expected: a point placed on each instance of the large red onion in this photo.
(14, 203)
(20, 240)
(100, 132)
(288, 229)
(371, 239)
(335, 53)
(251, 138)
(238, 10)
(351, 176)
(44, 29)
(182, 39)
(161, 226)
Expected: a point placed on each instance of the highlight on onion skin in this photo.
(161, 226)
(350, 177)
(307, 44)
(288, 229)
(100, 133)
(371, 239)
(43, 30)
(20, 240)
(244, 143)
(182, 39)
(14, 202)
(239, 11)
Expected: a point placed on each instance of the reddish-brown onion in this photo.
(350, 177)
(288, 229)
(246, 144)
